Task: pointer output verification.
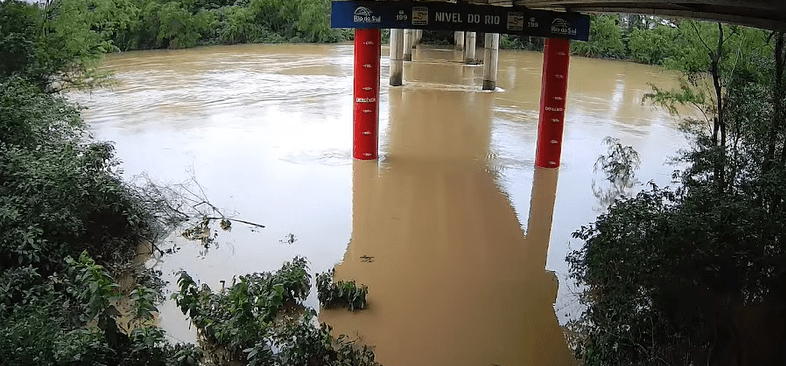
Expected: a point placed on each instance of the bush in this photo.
(59, 193)
(692, 275)
(240, 316)
(341, 293)
(260, 320)
(178, 28)
(69, 319)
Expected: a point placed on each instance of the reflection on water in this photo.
(455, 279)
(452, 279)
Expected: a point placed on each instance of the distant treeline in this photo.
(646, 39)
(124, 25)
(149, 24)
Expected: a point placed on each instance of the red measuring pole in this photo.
(556, 57)
(366, 94)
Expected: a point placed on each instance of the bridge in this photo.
(559, 21)
(767, 14)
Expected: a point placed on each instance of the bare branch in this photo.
(693, 24)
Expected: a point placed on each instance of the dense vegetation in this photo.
(673, 43)
(695, 274)
(61, 198)
(687, 275)
(146, 24)
(260, 320)
(70, 226)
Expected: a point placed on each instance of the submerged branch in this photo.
(173, 205)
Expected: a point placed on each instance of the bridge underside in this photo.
(767, 14)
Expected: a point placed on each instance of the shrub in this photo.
(60, 194)
(69, 319)
(260, 320)
(341, 293)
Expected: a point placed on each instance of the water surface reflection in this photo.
(453, 279)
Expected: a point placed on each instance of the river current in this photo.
(461, 241)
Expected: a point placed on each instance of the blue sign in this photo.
(458, 17)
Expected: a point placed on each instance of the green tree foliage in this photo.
(605, 38)
(49, 44)
(521, 43)
(695, 42)
(619, 167)
(292, 21)
(80, 30)
(18, 30)
(260, 320)
(713, 57)
(59, 193)
(180, 24)
(653, 46)
(236, 25)
(61, 197)
(70, 319)
(179, 28)
(340, 293)
(696, 275)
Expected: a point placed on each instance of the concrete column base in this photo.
(409, 36)
(396, 57)
(489, 84)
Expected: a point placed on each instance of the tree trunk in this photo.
(777, 103)
(720, 122)
(779, 93)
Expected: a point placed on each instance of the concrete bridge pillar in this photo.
(554, 89)
(490, 61)
(396, 57)
(408, 37)
(458, 38)
(469, 46)
(365, 116)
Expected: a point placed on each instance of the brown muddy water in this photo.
(451, 230)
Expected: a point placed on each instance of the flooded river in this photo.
(461, 241)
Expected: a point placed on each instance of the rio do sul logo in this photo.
(365, 15)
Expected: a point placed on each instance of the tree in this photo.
(178, 28)
(605, 38)
(709, 68)
(653, 46)
(697, 274)
(53, 46)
